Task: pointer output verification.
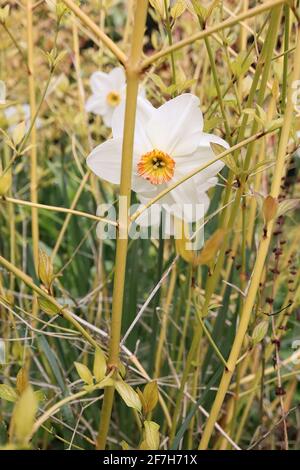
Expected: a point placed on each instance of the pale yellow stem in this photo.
(20, 202)
(258, 267)
(132, 72)
(33, 150)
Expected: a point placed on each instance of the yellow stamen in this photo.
(156, 166)
(113, 98)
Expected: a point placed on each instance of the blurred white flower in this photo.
(16, 114)
(169, 143)
(108, 91)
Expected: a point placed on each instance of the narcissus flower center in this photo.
(156, 166)
(113, 98)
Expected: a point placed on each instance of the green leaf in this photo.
(18, 133)
(84, 373)
(99, 367)
(150, 395)
(4, 12)
(5, 182)
(287, 205)
(47, 306)
(159, 83)
(45, 269)
(178, 8)
(8, 393)
(2, 92)
(260, 331)
(23, 416)
(129, 396)
(124, 445)
(270, 207)
(241, 64)
(22, 380)
(152, 434)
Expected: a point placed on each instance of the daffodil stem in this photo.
(33, 150)
(154, 326)
(285, 58)
(132, 73)
(210, 339)
(259, 264)
(218, 88)
(20, 202)
(16, 44)
(169, 34)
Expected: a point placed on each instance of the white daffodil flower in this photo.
(169, 143)
(108, 91)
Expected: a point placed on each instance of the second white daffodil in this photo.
(108, 91)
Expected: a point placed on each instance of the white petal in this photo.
(105, 160)
(209, 183)
(16, 114)
(203, 197)
(183, 202)
(20, 112)
(96, 104)
(117, 78)
(206, 139)
(108, 115)
(176, 126)
(143, 114)
(100, 83)
(142, 186)
(150, 216)
(203, 154)
(153, 216)
(142, 92)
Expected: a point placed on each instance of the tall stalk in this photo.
(132, 73)
(33, 150)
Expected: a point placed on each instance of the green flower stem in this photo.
(33, 141)
(169, 34)
(210, 339)
(218, 89)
